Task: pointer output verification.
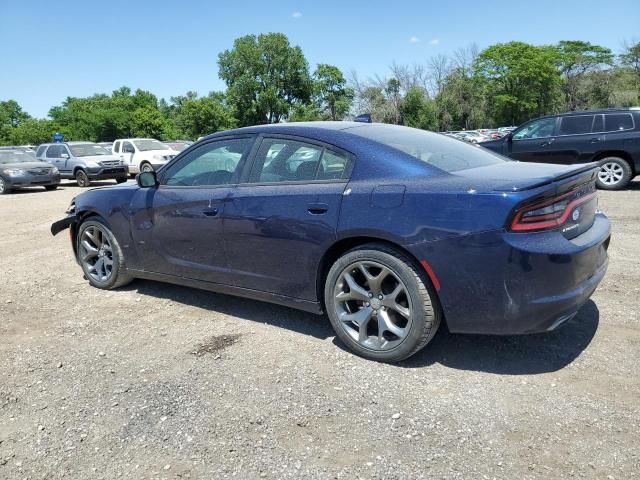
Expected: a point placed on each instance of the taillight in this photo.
(550, 213)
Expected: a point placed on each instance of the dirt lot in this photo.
(159, 381)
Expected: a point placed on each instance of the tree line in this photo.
(269, 80)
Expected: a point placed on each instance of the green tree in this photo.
(148, 122)
(461, 103)
(34, 131)
(266, 77)
(11, 113)
(331, 92)
(576, 59)
(418, 110)
(521, 81)
(195, 117)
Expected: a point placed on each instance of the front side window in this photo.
(127, 147)
(614, 122)
(537, 129)
(284, 160)
(575, 125)
(55, 151)
(212, 164)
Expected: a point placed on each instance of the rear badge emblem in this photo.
(576, 214)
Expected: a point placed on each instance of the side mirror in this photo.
(64, 155)
(147, 179)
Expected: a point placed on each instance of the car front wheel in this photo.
(100, 255)
(4, 187)
(615, 173)
(82, 178)
(380, 303)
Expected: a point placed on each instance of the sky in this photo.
(78, 47)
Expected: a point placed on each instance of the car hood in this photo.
(25, 165)
(515, 176)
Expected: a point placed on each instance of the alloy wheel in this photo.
(82, 179)
(146, 168)
(96, 253)
(373, 305)
(611, 173)
(2, 185)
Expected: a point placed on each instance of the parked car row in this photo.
(609, 137)
(480, 135)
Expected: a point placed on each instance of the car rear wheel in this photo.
(51, 187)
(615, 173)
(100, 255)
(380, 303)
(4, 187)
(82, 178)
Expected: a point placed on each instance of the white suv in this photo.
(142, 154)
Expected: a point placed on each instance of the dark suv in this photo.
(610, 137)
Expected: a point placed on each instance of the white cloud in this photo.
(296, 14)
(414, 39)
(434, 41)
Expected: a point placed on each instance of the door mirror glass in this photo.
(147, 179)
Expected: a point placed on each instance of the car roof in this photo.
(593, 112)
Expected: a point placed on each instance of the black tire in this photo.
(4, 186)
(82, 178)
(425, 313)
(146, 167)
(121, 179)
(119, 276)
(49, 188)
(610, 165)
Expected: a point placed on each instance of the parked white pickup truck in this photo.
(142, 154)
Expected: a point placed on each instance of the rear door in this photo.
(178, 227)
(281, 220)
(575, 142)
(533, 142)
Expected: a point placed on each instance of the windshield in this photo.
(149, 144)
(87, 150)
(16, 156)
(443, 152)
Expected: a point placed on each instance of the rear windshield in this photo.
(445, 153)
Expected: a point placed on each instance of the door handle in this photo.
(317, 208)
(210, 212)
(548, 142)
(596, 140)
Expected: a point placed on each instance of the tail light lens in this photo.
(550, 213)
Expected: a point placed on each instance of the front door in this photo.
(534, 141)
(178, 227)
(283, 218)
(127, 152)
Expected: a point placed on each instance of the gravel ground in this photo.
(160, 381)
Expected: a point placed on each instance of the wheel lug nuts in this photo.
(380, 296)
(370, 295)
(366, 304)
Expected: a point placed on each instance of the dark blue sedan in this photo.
(387, 229)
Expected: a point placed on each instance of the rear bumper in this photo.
(507, 283)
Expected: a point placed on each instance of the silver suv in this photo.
(83, 161)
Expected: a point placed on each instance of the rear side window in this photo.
(575, 125)
(284, 160)
(41, 150)
(116, 147)
(614, 122)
